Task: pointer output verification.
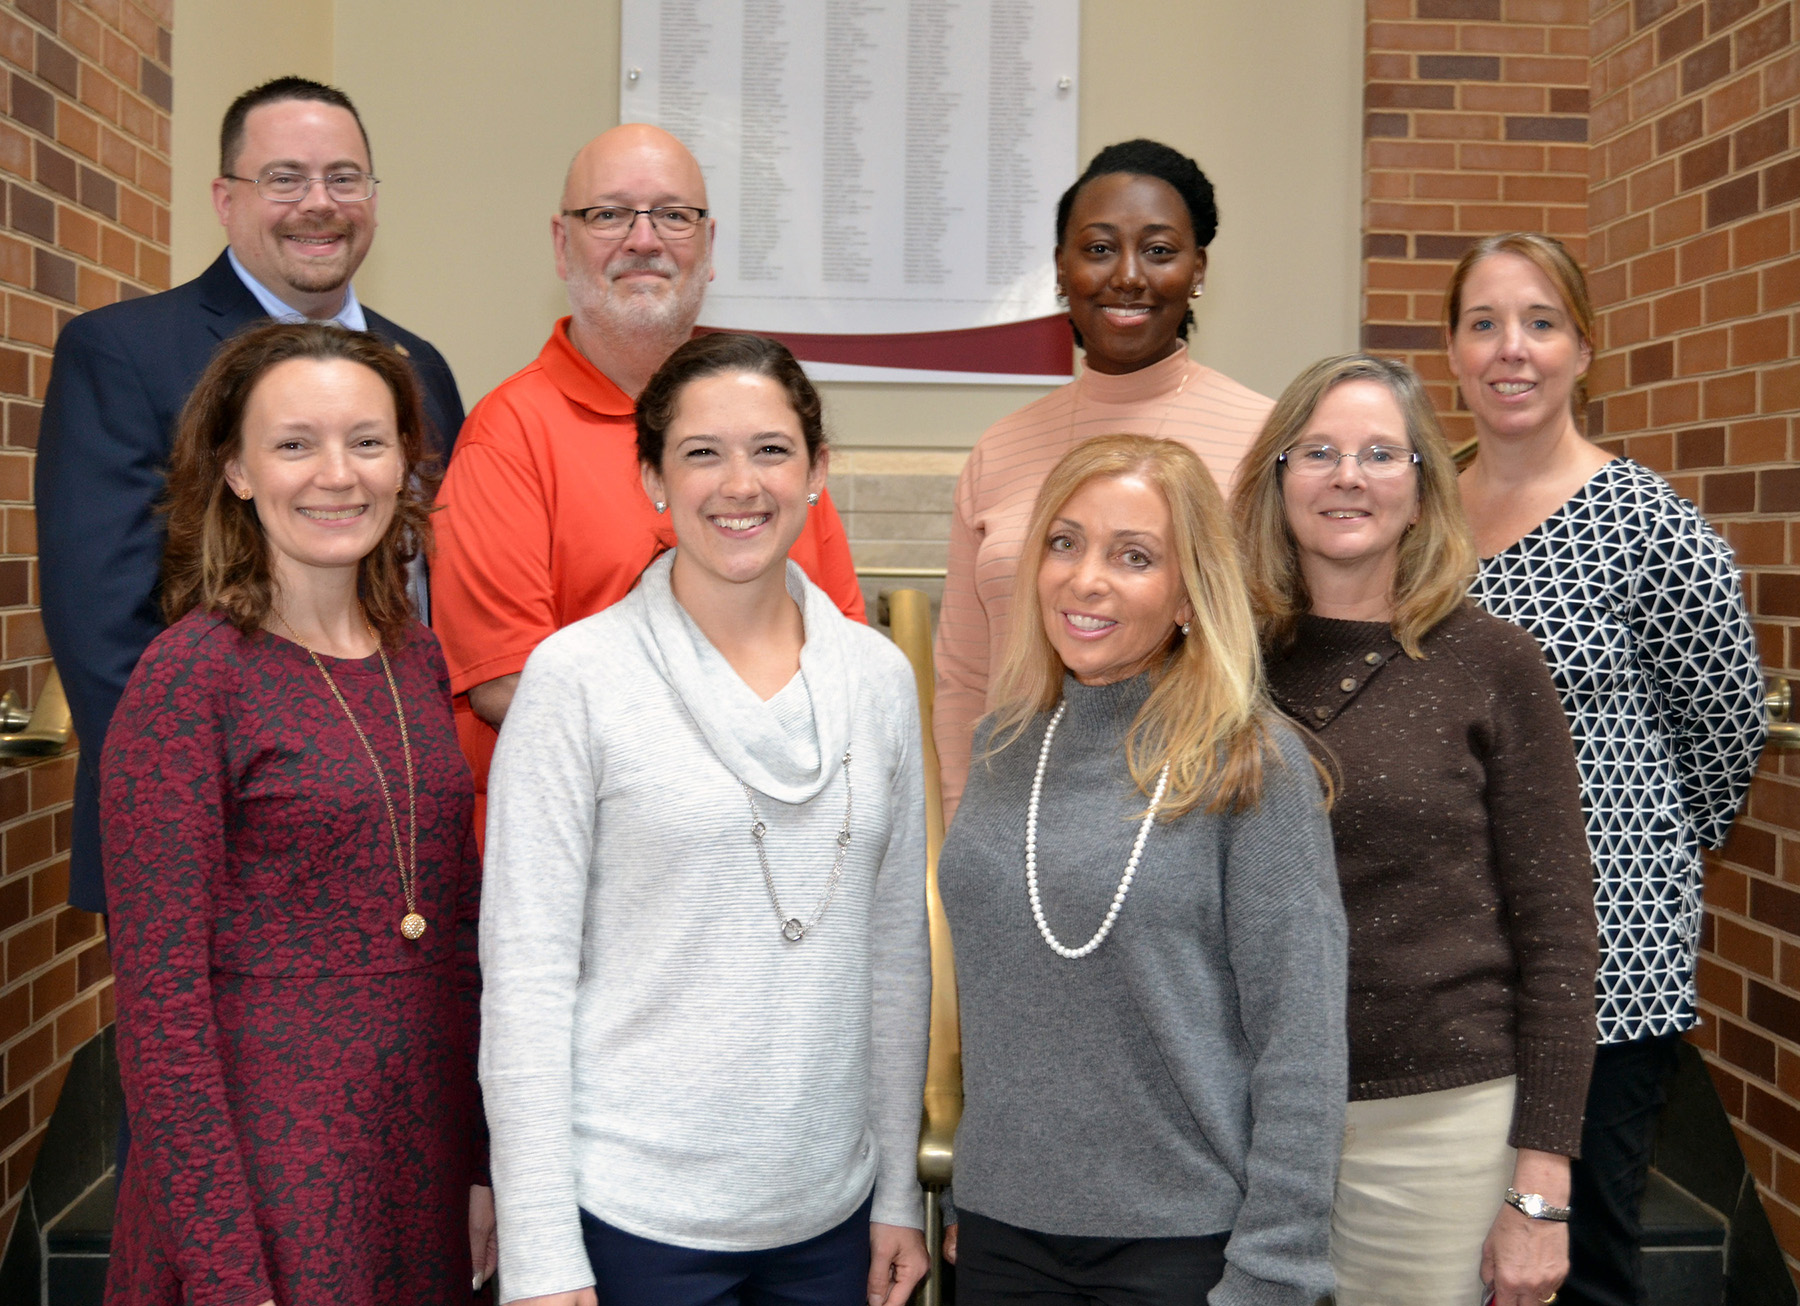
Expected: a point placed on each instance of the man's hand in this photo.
(897, 1262)
(490, 699)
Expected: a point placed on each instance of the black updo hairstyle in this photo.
(1146, 158)
(713, 355)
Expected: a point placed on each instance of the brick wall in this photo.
(1695, 214)
(1657, 137)
(1476, 121)
(84, 171)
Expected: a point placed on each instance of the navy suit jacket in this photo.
(117, 385)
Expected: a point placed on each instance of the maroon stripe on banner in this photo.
(1041, 347)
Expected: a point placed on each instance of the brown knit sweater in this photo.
(1463, 861)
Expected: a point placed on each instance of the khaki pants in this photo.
(1421, 1180)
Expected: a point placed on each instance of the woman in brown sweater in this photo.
(1459, 839)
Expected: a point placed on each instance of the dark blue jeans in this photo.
(829, 1270)
(1606, 1232)
(999, 1264)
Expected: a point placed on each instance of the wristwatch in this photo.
(1533, 1206)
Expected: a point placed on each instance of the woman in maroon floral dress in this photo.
(291, 866)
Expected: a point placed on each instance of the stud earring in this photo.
(812, 501)
(660, 507)
(1186, 626)
(1199, 290)
(242, 494)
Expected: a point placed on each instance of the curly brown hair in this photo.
(217, 558)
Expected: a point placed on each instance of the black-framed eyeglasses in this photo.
(292, 187)
(614, 221)
(1378, 461)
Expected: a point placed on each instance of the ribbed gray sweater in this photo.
(653, 1051)
(1187, 1077)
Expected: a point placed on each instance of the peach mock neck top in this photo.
(1175, 398)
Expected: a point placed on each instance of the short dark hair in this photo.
(713, 354)
(1147, 158)
(231, 131)
(217, 557)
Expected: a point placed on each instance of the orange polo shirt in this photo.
(543, 521)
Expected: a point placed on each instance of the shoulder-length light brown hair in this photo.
(1551, 257)
(1437, 555)
(1207, 715)
(217, 558)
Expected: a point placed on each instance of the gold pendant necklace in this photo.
(412, 925)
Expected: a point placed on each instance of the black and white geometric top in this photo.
(1636, 604)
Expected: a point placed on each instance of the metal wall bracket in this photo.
(45, 732)
(1783, 733)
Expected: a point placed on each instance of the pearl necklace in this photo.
(1137, 852)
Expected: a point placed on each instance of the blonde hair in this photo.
(1551, 257)
(1207, 714)
(1437, 555)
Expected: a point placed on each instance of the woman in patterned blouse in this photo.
(1636, 604)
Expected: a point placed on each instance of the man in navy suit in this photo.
(296, 196)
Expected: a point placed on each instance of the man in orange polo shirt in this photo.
(544, 519)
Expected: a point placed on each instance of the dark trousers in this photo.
(829, 1270)
(1625, 1097)
(1002, 1263)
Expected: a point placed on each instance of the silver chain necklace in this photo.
(1060, 948)
(793, 929)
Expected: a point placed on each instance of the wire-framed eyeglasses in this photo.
(614, 221)
(1378, 462)
(292, 187)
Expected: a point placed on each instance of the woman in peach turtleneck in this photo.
(1131, 238)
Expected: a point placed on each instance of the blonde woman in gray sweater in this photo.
(1149, 942)
(703, 940)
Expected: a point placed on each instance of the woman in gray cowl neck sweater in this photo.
(703, 941)
(1152, 1031)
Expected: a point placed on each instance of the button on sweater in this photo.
(1463, 860)
(1187, 1077)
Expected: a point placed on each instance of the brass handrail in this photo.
(46, 732)
(909, 622)
(902, 573)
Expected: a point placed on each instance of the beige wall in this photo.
(474, 109)
(223, 47)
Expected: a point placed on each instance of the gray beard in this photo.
(636, 321)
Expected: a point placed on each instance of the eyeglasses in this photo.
(614, 221)
(1379, 462)
(292, 187)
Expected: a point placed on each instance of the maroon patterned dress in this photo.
(300, 1078)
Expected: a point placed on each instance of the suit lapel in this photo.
(228, 303)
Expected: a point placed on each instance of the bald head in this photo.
(634, 160)
(634, 295)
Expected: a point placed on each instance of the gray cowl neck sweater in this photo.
(653, 1051)
(790, 762)
(1187, 1078)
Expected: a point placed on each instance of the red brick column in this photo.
(1696, 220)
(84, 177)
(1476, 122)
